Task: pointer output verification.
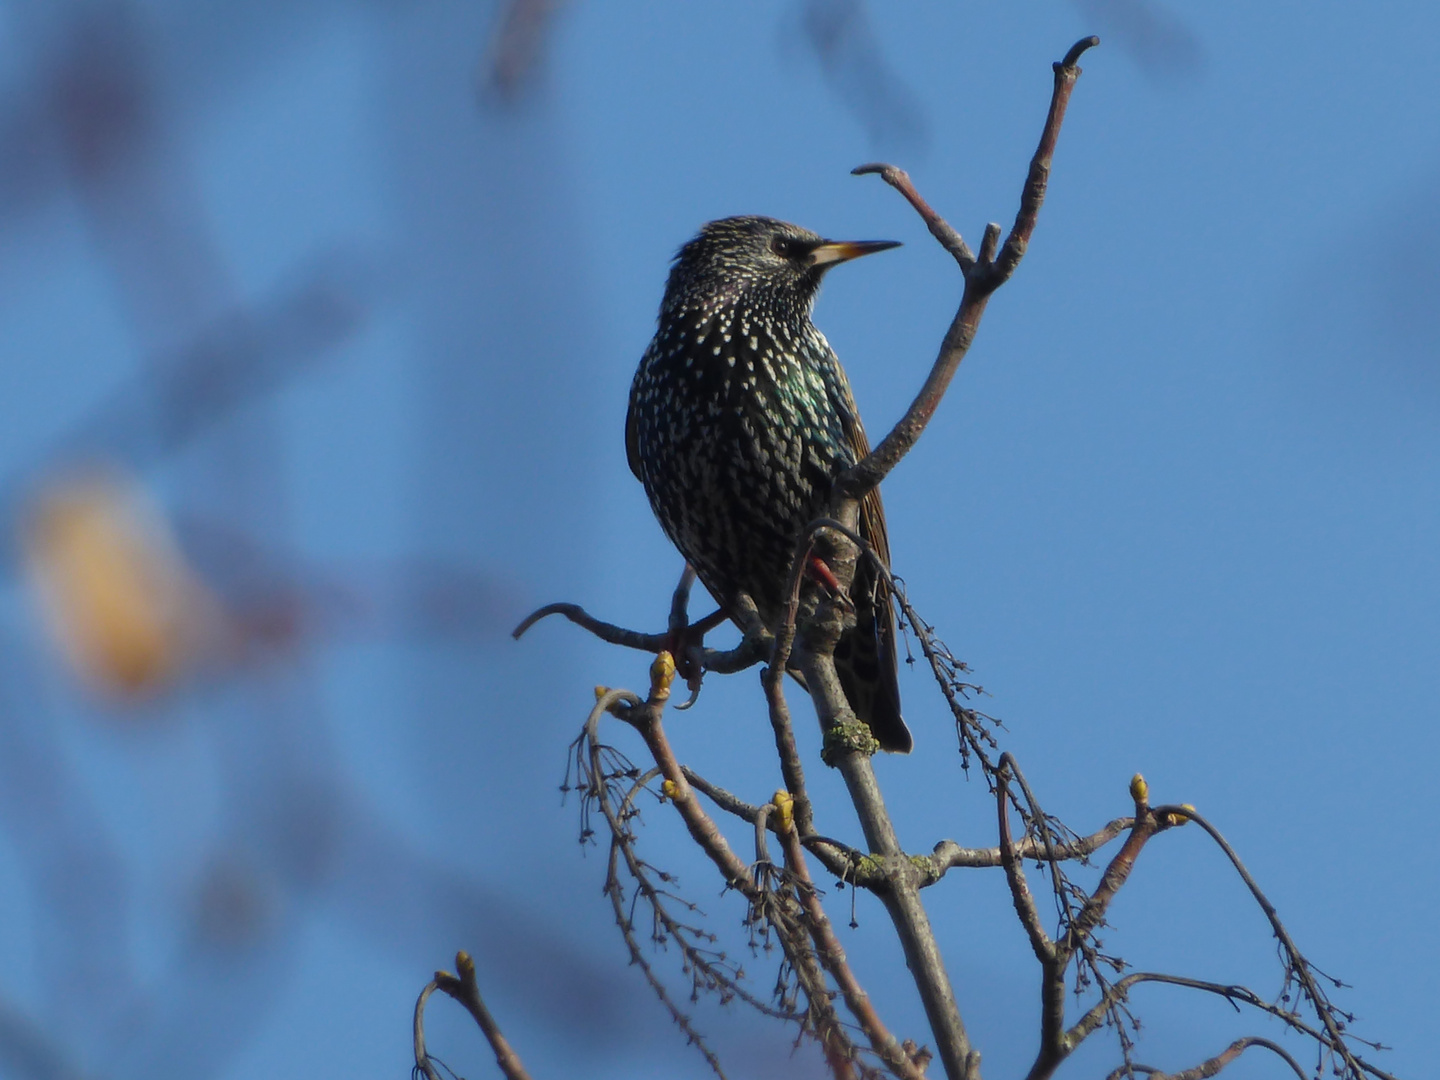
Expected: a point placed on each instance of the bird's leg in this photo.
(685, 641)
(819, 570)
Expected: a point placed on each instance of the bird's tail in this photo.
(866, 661)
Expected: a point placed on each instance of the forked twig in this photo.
(982, 277)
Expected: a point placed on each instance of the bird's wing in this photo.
(871, 648)
(632, 439)
(872, 511)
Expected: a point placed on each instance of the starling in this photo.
(740, 420)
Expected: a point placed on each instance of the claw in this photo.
(688, 658)
(694, 697)
(821, 572)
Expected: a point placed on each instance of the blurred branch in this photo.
(237, 360)
(841, 36)
(515, 51)
(1157, 39)
(27, 1054)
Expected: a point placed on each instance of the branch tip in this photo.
(1139, 791)
(1076, 51)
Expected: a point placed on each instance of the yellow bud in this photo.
(1180, 819)
(662, 674)
(1139, 789)
(464, 965)
(784, 802)
(670, 789)
(601, 691)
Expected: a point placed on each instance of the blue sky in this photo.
(1178, 511)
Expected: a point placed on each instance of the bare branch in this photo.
(703, 830)
(607, 632)
(776, 910)
(620, 849)
(1146, 824)
(773, 680)
(1020, 894)
(939, 228)
(902, 898)
(1213, 1065)
(721, 661)
(1066, 72)
(949, 855)
(982, 277)
(832, 955)
(1236, 995)
(466, 991)
(1297, 966)
(423, 1067)
(843, 861)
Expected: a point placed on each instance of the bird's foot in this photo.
(820, 571)
(687, 645)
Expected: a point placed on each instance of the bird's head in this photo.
(758, 258)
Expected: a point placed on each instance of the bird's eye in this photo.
(782, 247)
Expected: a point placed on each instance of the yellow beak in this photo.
(838, 251)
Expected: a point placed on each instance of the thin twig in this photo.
(839, 859)
(1296, 963)
(1055, 1042)
(793, 772)
(1020, 894)
(721, 661)
(949, 855)
(1231, 993)
(1213, 1065)
(466, 991)
(422, 1056)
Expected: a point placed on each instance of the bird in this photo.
(741, 418)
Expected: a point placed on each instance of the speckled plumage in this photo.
(740, 418)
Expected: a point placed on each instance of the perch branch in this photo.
(721, 661)
(901, 897)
